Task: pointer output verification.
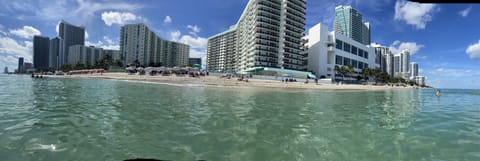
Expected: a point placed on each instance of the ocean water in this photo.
(92, 119)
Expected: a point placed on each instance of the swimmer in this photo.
(437, 93)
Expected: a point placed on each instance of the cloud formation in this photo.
(77, 11)
(197, 44)
(473, 50)
(464, 13)
(27, 32)
(167, 19)
(397, 47)
(107, 43)
(119, 18)
(414, 13)
(11, 48)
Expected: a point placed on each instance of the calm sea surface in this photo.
(87, 119)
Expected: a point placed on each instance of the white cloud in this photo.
(175, 35)
(119, 18)
(465, 12)
(197, 44)
(194, 42)
(167, 19)
(397, 47)
(107, 43)
(107, 39)
(414, 13)
(194, 28)
(422, 57)
(420, 71)
(75, 11)
(111, 47)
(96, 44)
(86, 35)
(11, 47)
(473, 50)
(375, 45)
(27, 32)
(57, 27)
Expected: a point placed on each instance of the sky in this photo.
(444, 39)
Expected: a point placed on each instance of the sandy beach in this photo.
(217, 81)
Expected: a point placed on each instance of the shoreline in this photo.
(215, 81)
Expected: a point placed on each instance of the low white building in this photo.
(327, 49)
(420, 80)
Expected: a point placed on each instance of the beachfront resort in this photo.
(268, 43)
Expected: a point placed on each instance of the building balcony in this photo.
(330, 49)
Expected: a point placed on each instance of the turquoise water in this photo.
(88, 119)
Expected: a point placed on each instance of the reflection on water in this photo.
(84, 119)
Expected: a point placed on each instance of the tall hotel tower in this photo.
(41, 47)
(349, 22)
(69, 35)
(268, 34)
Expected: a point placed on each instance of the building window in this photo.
(354, 50)
(360, 52)
(365, 54)
(338, 44)
(366, 65)
(354, 63)
(360, 65)
(346, 61)
(338, 60)
(346, 47)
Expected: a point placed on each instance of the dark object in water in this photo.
(437, 93)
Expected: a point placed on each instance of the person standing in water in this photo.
(437, 93)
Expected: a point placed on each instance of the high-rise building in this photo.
(389, 69)
(54, 52)
(413, 70)
(20, 68)
(221, 49)
(5, 70)
(384, 58)
(172, 54)
(366, 33)
(139, 45)
(396, 65)
(329, 49)
(41, 51)
(70, 35)
(405, 63)
(349, 22)
(268, 34)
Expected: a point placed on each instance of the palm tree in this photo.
(350, 70)
(366, 72)
(337, 70)
(343, 71)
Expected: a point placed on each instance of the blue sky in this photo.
(443, 38)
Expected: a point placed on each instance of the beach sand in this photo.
(217, 81)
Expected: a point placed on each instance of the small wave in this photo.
(48, 147)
